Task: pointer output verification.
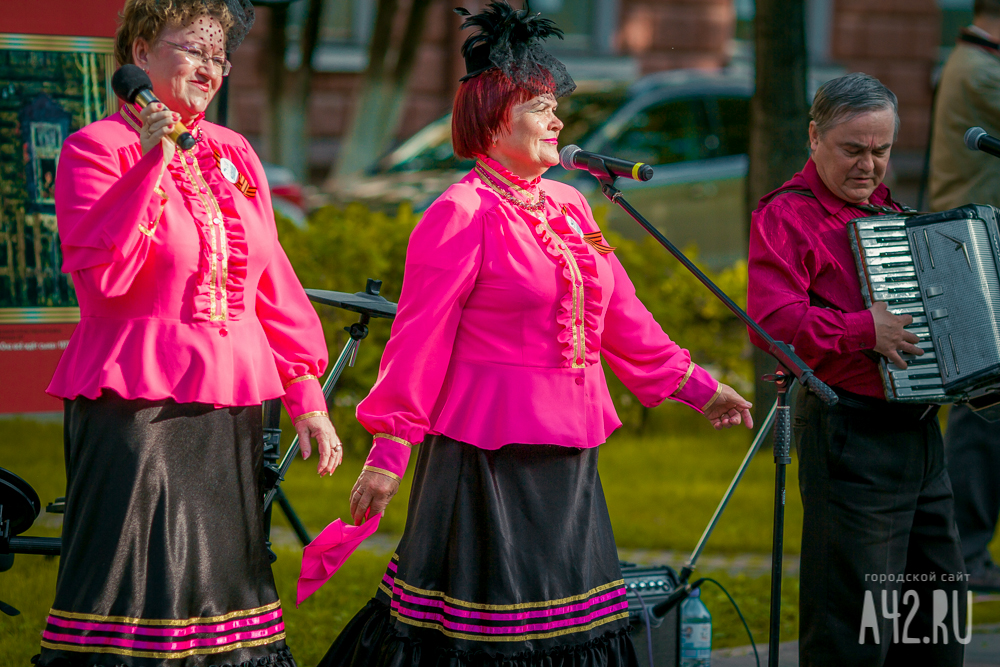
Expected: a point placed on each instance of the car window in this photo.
(583, 113)
(664, 133)
(732, 125)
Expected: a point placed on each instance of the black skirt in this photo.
(507, 558)
(164, 559)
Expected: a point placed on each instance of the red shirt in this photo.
(799, 248)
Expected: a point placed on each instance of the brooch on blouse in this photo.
(233, 175)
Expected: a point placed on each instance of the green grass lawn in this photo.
(661, 492)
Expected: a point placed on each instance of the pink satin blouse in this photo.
(184, 290)
(503, 319)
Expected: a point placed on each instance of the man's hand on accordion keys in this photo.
(891, 337)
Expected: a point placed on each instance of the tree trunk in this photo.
(383, 92)
(274, 74)
(286, 135)
(294, 135)
(778, 126)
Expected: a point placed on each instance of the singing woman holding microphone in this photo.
(191, 316)
(510, 300)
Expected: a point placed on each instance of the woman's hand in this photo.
(157, 123)
(331, 452)
(729, 409)
(373, 491)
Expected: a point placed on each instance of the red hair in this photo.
(482, 110)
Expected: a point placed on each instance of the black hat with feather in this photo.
(510, 39)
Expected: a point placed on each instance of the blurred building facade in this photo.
(899, 41)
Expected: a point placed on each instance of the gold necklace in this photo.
(536, 207)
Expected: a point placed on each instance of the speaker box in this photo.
(652, 585)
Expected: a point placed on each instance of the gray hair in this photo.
(847, 97)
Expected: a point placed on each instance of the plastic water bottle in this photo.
(696, 632)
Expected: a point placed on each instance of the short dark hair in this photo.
(847, 97)
(989, 8)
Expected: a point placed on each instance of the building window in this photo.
(344, 32)
(574, 17)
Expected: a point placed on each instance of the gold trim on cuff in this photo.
(391, 437)
(684, 380)
(718, 390)
(301, 378)
(307, 415)
(383, 471)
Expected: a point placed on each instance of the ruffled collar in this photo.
(507, 178)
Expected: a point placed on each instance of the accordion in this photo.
(944, 270)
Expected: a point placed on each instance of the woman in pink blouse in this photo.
(191, 316)
(510, 300)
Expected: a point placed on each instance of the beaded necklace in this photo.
(536, 207)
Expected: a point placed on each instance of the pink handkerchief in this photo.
(322, 557)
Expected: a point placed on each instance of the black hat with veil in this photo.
(243, 18)
(510, 39)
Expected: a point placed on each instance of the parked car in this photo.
(692, 126)
(287, 197)
(694, 129)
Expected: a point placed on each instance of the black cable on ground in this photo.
(737, 608)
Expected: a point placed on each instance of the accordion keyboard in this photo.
(888, 273)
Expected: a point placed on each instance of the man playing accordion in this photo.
(878, 507)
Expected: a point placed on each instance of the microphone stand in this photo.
(790, 368)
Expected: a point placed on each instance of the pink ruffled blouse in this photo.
(503, 319)
(184, 290)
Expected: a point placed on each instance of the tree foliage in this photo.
(689, 313)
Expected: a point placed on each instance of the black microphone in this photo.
(976, 139)
(574, 157)
(677, 596)
(133, 85)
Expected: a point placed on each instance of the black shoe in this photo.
(985, 578)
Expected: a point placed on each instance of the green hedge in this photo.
(339, 248)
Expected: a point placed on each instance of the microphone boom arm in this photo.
(781, 351)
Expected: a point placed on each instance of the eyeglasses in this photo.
(198, 57)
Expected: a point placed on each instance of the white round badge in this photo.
(574, 226)
(229, 170)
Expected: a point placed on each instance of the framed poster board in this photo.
(50, 86)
